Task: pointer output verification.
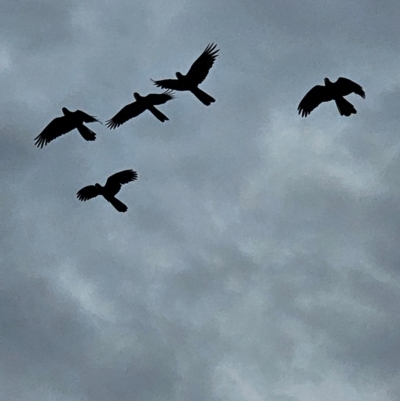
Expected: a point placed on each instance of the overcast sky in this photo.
(259, 259)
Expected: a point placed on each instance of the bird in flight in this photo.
(112, 187)
(61, 125)
(331, 91)
(195, 76)
(141, 104)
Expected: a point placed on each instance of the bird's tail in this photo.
(121, 207)
(204, 97)
(157, 113)
(86, 133)
(345, 108)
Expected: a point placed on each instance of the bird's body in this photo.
(195, 76)
(141, 104)
(110, 189)
(331, 91)
(62, 125)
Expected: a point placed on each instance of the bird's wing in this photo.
(346, 86)
(173, 84)
(160, 98)
(313, 99)
(87, 193)
(115, 181)
(86, 118)
(200, 68)
(57, 127)
(126, 113)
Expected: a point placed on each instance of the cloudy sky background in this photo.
(259, 258)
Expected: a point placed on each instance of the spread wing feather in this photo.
(347, 86)
(87, 193)
(173, 84)
(200, 68)
(314, 97)
(86, 118)
(115, 181)
(160, 98)
(126, 113)
(57, 127)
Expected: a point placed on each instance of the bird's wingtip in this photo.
(156, 83)
(212, 48)
(39, 142)
(110, 124)
(171, 93)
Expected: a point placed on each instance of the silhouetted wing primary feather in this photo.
(115, 181)
(87, 193)
(86, 118)
(126, 113)
(160, 98)
(313, 99)
(57, 127)
(200, 68)
(347, 86)
(173, 84)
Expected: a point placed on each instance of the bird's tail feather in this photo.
(204, 97)
(157, 113)
(345, 108)
(121, 207)
(86, 133)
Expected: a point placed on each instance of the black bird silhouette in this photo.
(112, 187)
(61, 125)
(195, 76)
(142, 103)
(331, 91)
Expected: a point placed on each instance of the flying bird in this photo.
(61, 125)
(331, 91)
(195, 76)
(141, 104)
(112, 187)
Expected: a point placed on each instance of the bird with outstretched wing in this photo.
(141, 104)
(195, 76)
(62, 125)
(110, 189)
(331, 91)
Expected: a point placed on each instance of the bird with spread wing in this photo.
(331, 91)
(112, 187)
(62, 125)
(195, 76)
(141, 104)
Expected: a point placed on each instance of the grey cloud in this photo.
(258, 258)
(39, 25)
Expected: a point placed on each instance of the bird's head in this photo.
(65, 111)
(98, 186)
(327, 81)
(136, 95)
(178, 75)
